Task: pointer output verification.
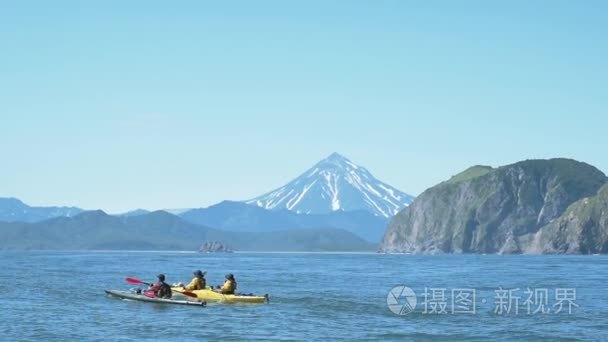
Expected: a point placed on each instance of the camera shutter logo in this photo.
(401, 300)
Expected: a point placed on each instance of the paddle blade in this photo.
(134, 281)
(189, 294)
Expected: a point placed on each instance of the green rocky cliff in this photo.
(533, 206)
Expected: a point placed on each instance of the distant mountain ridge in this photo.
(14, 210)
(335, 193)
(238, 216)
(335, 184)
(225, 216)
(136, 212)
(160, 230)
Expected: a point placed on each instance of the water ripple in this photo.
(58, 296)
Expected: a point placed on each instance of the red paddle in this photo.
(187, 293)
(137, 281)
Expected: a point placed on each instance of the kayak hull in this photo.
(212, 296)
(142, 298)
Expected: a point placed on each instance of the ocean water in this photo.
(59, 296)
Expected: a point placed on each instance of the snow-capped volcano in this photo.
(335, 183)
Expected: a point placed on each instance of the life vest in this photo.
(196, 284)
(164, 291)
(229, 286)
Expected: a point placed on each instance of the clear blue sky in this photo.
(155, 104)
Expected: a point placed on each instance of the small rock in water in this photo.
(214, 247)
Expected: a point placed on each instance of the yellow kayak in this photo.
(212, 296)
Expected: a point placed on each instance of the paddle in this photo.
(137, 281)
(187, 293)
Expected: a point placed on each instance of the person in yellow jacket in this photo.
(229, 285)
(198, 282)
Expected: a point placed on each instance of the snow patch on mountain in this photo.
(335, 183)
(14, 210)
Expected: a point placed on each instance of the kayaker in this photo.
(198, 282)
(161, 289)
(229, 285)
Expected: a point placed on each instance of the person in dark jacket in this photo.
(160, 288)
